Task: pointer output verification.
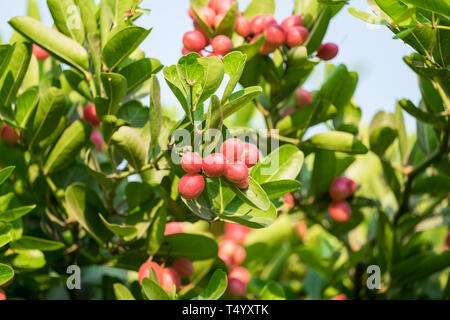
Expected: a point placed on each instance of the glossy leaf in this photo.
(258, 7)
(25, 105)
(277, 189)
(32, 243)
(131, 146)
(254, 195)
(115, 88)
(191, 246)
(153, 291)
(6, 273)
(337, 141)
(16, 213)
(216, 286)
(234, 64)
(122, 293)
(67, 18)
(140, 71)
(272, 291)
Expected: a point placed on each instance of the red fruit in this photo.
(144, 271)
(302, 97)
(274, 35)
(218, 19)
(291, 21)
(214, 165)
(327, 51)
(227, 248)
(243, 184)
(221, 45)
(295, 36)
(208, 15)
(185, 51)
(191, 13)
(243, 27)
(191, 162)
(194, 40)
(212, 4)
(236, 172)
(191, 186)
(250, 156)
(301, 229)
(289, 201)
(90, 115)
(239, 255)
(40, 53)
(223, 6)
(240, 273)
(341, 296)
(287, 112)
(236, 288)
(173, 227)
(97, 139)
(339, 211)
(232, 149)
(170, 278)
(9, 135)
(447, 240)
(261, 21)
(236, 232)
(184, 267)
(2, 295)
(199, 28)
(342, 188)
(266, 49)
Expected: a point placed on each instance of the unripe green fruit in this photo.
(194, 40)
(339, 211)
(191, 186)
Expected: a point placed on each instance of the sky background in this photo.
(366, 49)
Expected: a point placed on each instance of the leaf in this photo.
(122, 44)
(5, 173)
(336, 141)
(272, 291)
(115, 88)
(201, 207)
(434, 185)
(122, 231)
(156, 233)
(251, 50)
(175, 84)
(122, 293)
(29, 259)
(216, 287)
(130, 146)
(87, 16)
(240, 212)
(66, 49)
(14, 214)
(408, 106)
(258, 7)
(155, 114)
(5, 234)
(277, 189)
(234, 64)
(323, 172)
(402, 136)
(6, 273)
(238, 100)
(140, 71)
(227, 25)
(33, 10)
(78, 83)
(319, 30)
(25, 105)
(31, 243)
(134, 113)
(382, 132)
(254, 195)
(67, 18)
(68, 147)
(190, 246)
(436, 6)
(283, 163)
(153, 291)
(367, 17)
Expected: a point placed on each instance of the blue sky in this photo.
(371, 51)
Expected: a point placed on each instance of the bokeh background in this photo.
(366, 49)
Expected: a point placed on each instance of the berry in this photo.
(243, 27)
(2, 295)
(339, 211)
(97, 139)
(266, 49)
(342, 188)
(327, 51)
(232, 149)
(170, 278)
(447, 240)
(173, 227)
(236, 232)
(214, 165)
(291, 21)
(302, 97)
(236, 288)
(191, 162)
(191, 186)
(223, 6)
(199, 28)
(144, 271)
(239, 255)
(9, 135)
(287, 112)
(236, 172)
(274, 35)
(191, 13)
(341, 296)
(227, 248)
(212, 4)
(289, 201)
(221, 45)
(243, 184)
(218, 19)
(184, 267)
(301, 229)
(296, 36)
(194, 40)
(90, 115)
(208, 15)
(240, 273)
(40, 53)
(250, 156)
(261, 21)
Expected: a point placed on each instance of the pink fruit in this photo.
(342, 188)
(170, 278)
(214, 165)
(184, 267)
(302, 97)
(240, 273)
(223, 6)
(191, 162)
(218, 19)
(9, 135)
(221, 45)
(243, 27)
(212, 4)
(296, 36)
(274, 35)
(90, 115)
(287, 112)
(191, 186)
(243, 184)
(291, 21)
(301, 229)
(2, 295)
(341, 296)
(327, 51)
(199, 28)
(173, 228)
(239, 255)
(227, 248)
(232, 149)
(250, 156)
(236, 232)
(144, 271)
(97, 139)
(236, 172)
(191, 13)
(194, 40)
(339, 211)
(266, 49)
(208, 15)
(289, 201)
(261, 21)
(236, 288)
(40, 53)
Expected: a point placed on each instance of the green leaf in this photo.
(87, 15)
(382, 132)
(190, 246)
(238, 100)
(433, 185)
(240, 212)
(201, 207)
(408, 106)
(283, 163)
(67, 19)
(227, 24)
(251, 49)
(134, 113)
(115, 86)
(254, 195)
(155, 114)
(319, 30)
(156, 233)
(14, 214)
(234, 64)
(5, 173)
(31, 243)
(78, 83)
(123, 231)
(66, 49)
(176, 85)
(258, 7)
(272, 291)
(29, 259)
(122, 293)
(131, 146)
(33, 10)
(68, 147)
(25, 105)
(348, 119)
(216, 287)
(5, 234)
(436, 6)
(140, 71)
(336, 141)
(122, 44)
(277, 189)
(402, 135)
(6, 273)
(367, 17)
(153, 291)
(323, 172)
(219, 193)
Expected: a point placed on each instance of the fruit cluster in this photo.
(341, 188)
(233, 162)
